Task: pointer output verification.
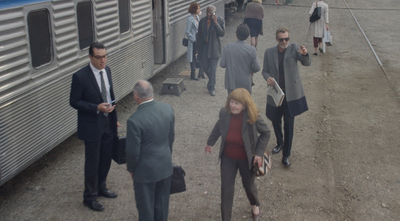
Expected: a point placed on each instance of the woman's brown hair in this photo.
(193, 7)
(243, 96)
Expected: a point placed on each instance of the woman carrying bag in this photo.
(192, 25)
(316, 28)
(241, 148)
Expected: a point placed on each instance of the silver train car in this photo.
(43, 42)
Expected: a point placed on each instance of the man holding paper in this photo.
(280, 65)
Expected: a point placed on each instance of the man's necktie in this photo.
(103, 90)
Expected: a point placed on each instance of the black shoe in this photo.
(315, 54)
(277, 149)
(194, 78)
(202, 76)
(285, 161)
(94, 205)
(212, 93)
(107, 193)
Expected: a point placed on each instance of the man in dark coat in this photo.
(149, 139)
(280, 65)
(211, 28)
(92, 95)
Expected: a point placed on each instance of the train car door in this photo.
(158, 31)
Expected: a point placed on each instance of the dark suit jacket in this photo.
(149, 138)
(214, 33)
(294, 92)
(85, 96)
(259, 142)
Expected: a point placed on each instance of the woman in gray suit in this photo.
(192, 26)
(241, 147)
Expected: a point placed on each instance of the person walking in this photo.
(149, 138)
(238, 126)
(192, 25)
(92, 94)
(253, 16)
(211, 29)
(316, 29)
(280, 65)
(240, 61)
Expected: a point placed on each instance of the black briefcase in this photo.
(178, 180)
(119, 155)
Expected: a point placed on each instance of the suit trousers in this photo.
(288, 126)
(229, 169)
(97, 163)
(152, 199)
(209, 66)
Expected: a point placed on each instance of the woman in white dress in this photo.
(316, 29)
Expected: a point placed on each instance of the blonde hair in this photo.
(258, 1)
(243, 96)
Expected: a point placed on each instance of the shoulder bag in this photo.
(178, 180)
(316, 15)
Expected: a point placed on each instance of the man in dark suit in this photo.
(92, 95)
(280, 65)
(149, 139)
(211, 28)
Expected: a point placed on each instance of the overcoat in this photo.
(316, 29)
(149, 138)
(294, 91)
(259, 142)
(215, 31)
(191, 30)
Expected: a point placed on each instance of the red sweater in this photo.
(234, 145)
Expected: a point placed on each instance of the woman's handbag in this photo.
(265, 165)
(266, 160)
(316, 15)
(178, 180)
(185, 42)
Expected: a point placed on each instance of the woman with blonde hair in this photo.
(241, 148)
(253, 16)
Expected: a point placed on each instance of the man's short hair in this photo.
(242, 32)
(193, 7)
(212, 7)
(95, 45)
(281, 30)
(143, 89)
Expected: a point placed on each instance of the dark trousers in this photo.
(209, 66)
(288, 125)
(152, 200)
(97, 164)
(229, 169)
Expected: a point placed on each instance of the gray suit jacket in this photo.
(295, 96)
(240, 61)
(149, 139)
(259, 142)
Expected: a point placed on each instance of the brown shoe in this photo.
(256, 217)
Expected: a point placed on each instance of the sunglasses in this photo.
(281, 39)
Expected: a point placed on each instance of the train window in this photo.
(124, 18)
(39, 37)
(85, 24)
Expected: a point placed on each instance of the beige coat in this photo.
(316, 29)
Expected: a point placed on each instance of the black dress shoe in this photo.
(285, 161)
(194, 78)
(277, 149)
(202, 76)
(94, 205)
(108, 193)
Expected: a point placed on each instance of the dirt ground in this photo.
(346, 148)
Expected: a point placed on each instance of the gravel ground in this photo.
(345, 153)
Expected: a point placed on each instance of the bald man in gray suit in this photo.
(149, 139)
